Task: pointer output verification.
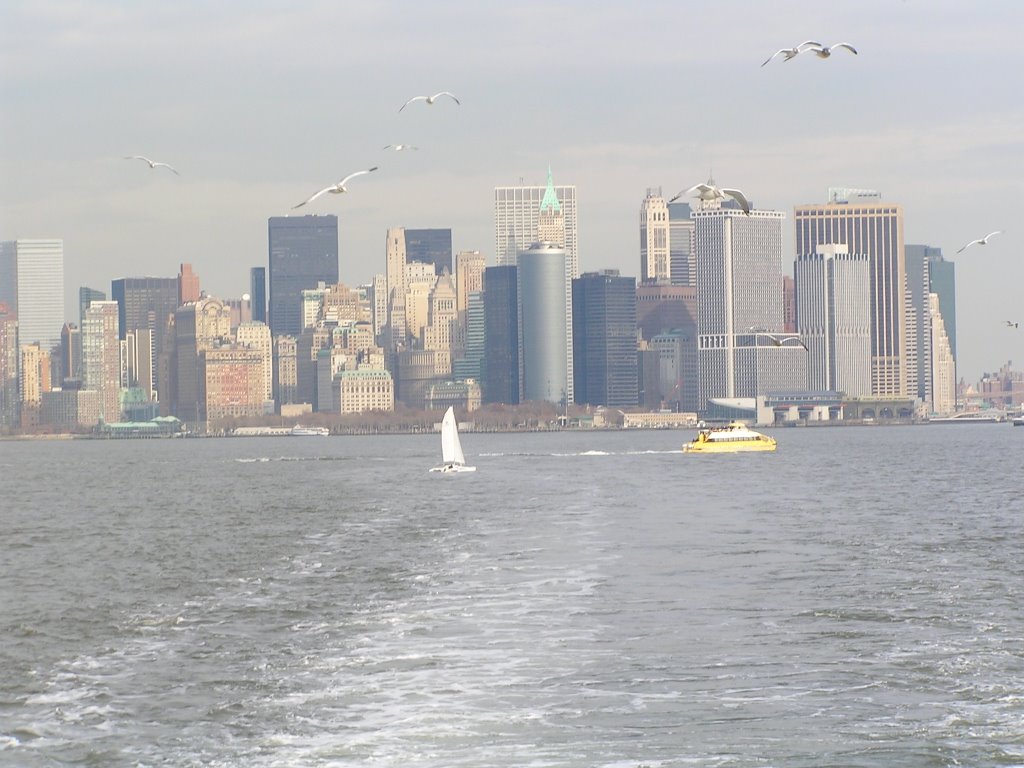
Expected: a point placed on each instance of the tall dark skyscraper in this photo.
(604, 339)
(430, 246)
(303, 252)
(144, 302)
(258, 293)
(501, 336)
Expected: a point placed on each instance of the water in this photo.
(601, 599)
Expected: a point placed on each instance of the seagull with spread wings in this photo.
(777, 340)
(981, 241)
(430, 99)
(824, 51)
(335, 189)
(152, 163)
(790, 53)
(709, 191)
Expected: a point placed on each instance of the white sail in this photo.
(452, 458)
(451, 450)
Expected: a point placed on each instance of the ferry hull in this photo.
(710, 447)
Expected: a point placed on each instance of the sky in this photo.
(259, 104)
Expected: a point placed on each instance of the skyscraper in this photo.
(394, 249)
(258, 293)
(198, 326)
(919, 325)
(33, 376)
(859, 220)
(942, 275)
(469, 276)
(147, 304)
(545, 335)
(655, 260)
(9, 402)
(71, 351)
(739, 299)
(680, 238)
(604, 339)
(101, 356)
(144, 302)
(256, 335)
(188, 285)
(85, 297)
(32, 286)
(470, 364)
(517, 217)
(430, 246)
(943, 364)
(303, 252)
(931, 319)
(833, 293)
(469, 280)
(501, 335)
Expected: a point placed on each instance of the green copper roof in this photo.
(550, 198)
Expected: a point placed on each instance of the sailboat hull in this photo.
(453, 468)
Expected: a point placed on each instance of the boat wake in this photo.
(264, 459)
(579, 454)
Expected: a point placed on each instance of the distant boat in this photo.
(300, 431)
(1018, 421)
(452, 458)
(970, 417)
(734, 438)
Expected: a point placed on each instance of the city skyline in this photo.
(934, 133)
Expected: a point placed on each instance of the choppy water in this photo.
(854, 599)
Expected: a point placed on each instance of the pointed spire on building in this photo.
(550, 201)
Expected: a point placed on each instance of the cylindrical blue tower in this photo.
(542, 298)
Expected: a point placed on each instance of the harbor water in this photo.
(584, 599)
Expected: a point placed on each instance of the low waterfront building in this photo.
(462, 395)
(364, 389)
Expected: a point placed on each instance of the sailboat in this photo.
(452, 458)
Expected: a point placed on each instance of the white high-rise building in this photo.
(517, 219)
(256, 335)
(943, 371)
(865, 224)
(833, 297)
(32, 286)
(101, 356)
(739, 302)
(655, 262)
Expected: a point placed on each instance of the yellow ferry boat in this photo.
(733, 438)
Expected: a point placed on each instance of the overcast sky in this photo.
(259, 104)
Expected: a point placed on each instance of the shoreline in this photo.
(369, 432)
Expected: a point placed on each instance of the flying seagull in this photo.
(429, 99)
(709, 192)
(1011, 324)
(778, 341)
(824, 51)
(400, 147)
(152, 163)
(789, 53)
(335, 189)
(982, 241)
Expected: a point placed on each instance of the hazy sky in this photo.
(259, 104)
